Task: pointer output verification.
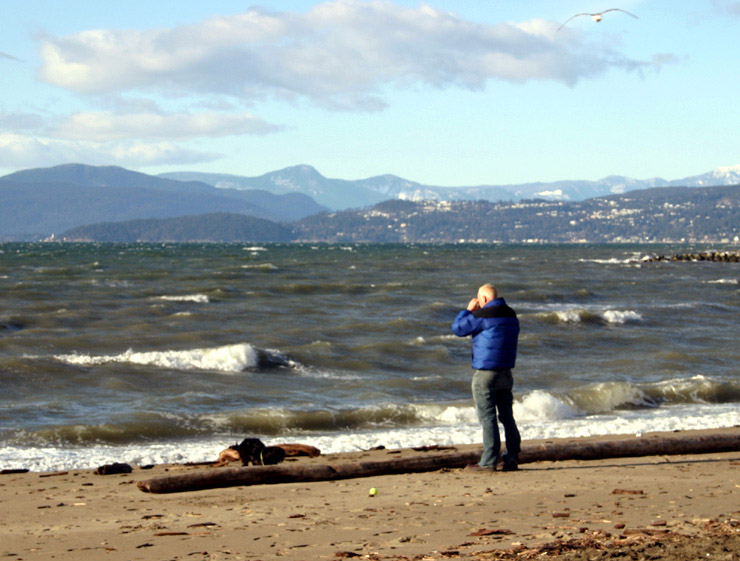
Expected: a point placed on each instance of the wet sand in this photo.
(667, 507)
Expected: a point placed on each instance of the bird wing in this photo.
(620, 10)
(572, 17)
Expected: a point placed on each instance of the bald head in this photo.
(486, 293)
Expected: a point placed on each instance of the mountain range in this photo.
(37, 203)
(670, 214)
(341, 194)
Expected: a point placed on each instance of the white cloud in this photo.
(106, 125)
(132, 120)
(340, 54)
(21, 151)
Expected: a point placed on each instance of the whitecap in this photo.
(197, 298)
(230, 358)
(578, 314)
(570, 316)
(261, 267)
(621, 316)
(610, 261)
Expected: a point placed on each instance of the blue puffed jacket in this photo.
(495, 331)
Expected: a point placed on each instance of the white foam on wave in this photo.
(723, 281)
(535, 407)
(610, 261)
(261, 267)
(322, 374)
(181, 314)
(569, 316)
(446, 337)
(665, 419)
(197, 298)
(621, 316)
(577, 314)
(230, 358)
(539, 406)
(691, 387)
(444, 414)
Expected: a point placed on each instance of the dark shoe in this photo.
(510, 465)
(476, 467)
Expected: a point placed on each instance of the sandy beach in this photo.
(667, 507)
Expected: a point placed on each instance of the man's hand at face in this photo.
(473, 304)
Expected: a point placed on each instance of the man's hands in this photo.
(473, 304)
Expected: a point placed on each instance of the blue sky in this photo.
(444, 93)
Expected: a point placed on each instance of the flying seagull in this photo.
(598, 16)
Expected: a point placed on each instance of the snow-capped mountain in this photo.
(727, 175)
(339, 194)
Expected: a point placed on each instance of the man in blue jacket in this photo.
(495, 330)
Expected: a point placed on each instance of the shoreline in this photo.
(559, 508)
(665, 419)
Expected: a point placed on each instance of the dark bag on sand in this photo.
(111, 469)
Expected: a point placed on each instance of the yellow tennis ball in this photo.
(373, 491)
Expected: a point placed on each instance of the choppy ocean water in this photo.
(147, 353)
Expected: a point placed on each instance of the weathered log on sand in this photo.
(255, 475)
(576, 449)
(649, 445)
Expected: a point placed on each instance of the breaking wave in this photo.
(586, 315)
(591, 403)
(162, 437)
(606, 397)
(228, 359)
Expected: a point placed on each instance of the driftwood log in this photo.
(577, 449)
